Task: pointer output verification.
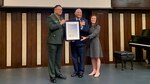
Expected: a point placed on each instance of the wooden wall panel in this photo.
(127, 30)
(138, 23)
(148, 20)
(31, 39)
(16, 40)
(103, 19)
(103, 22)
(3, 41)
(63, 55)
(44, 34)
(116, 30)
(1, 3)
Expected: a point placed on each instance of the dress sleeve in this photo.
(95, 32)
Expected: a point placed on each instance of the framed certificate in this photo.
(72, 30)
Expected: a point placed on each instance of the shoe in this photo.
(74, 74)
(97, 75)
(52, 79)
(91, 74)
(80, 75)
(61, 76)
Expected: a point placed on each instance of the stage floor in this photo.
(109, 75)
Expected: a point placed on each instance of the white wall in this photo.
(64, 3)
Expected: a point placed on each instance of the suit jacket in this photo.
(83, 32)
(56, 31)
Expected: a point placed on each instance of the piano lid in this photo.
(146, 33)
(144, 38)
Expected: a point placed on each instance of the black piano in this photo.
(141, 42)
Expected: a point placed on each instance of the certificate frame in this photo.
(72, 30)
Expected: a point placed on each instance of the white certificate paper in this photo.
(72, 31)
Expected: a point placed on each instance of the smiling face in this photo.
(78, 13)
(93, 19)
(58, 10)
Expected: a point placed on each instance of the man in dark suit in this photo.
(78, 47)
(55, 43)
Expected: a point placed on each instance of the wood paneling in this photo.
(138, 31)
(138, 23)
(31, 39)
(44, 34)
(1, 2)
(16, 39)
(63, 55)
(3, 36)
(127, 30)
(148, 20)
(102, 17)
(116, 30)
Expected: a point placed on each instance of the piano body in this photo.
(140, 43)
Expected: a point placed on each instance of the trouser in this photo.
(54, 59)
(78, 58)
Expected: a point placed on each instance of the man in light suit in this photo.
(55, 43)
(78, 47)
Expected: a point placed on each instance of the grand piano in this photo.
(141, 42)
